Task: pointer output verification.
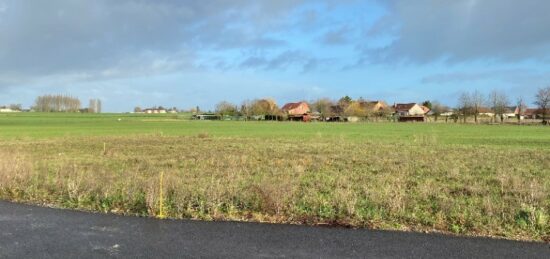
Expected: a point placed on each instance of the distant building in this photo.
(154, 110)
(408, 109)
(299, 108)
(447, 113)
(374, 106)
(484, 111)
(207, 116)
(426, 109)
(297, 111)
(410, 112)
(7, 110)
(528, 113)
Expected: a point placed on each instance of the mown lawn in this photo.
(485, 180)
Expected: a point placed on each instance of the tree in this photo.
(98, 106)
(344, 102)
(437, 109)
(16, 107)
(226, 108)
(499, 103)
(384, 112)
(428, 104)
(323, 106)
(355, 109)
(137, 109)
(520, 109)
(264, 107)
(465, 105)
(542, 100)
(477, 100)
(56, 103)
(246, 109)
(95, 106)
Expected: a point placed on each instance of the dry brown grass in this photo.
(421, 186)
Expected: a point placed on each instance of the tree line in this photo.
(470, 104)
(64, 103)
(345, 106)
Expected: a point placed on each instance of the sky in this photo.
(188, 53)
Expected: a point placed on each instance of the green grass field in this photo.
(43, 126)
(490, 180)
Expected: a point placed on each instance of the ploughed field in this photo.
(484, 180)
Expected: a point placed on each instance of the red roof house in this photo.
(299, 108)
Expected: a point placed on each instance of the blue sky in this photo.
(187, 53)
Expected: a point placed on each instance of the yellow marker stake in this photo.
(161, 197)
(104, 147)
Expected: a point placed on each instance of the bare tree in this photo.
(264, 107)
(16, 107)
(226, 108)
(98, 106)
(465, 105)
(477, 100)
(344, 102)
(323, 106)
(438, 108)
(542, 100)
(56, 103)
(246, 109)
(499, 103)
(92, 106)
(520, 109)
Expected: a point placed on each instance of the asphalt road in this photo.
(35, 232)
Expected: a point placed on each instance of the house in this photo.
(425, 109)
(528, 113)
(297, 111)
(298, 108)
(410, 112)
(374, 106)
(509, 113)
(408, 109)
(484, 111)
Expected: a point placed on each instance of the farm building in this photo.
(297, 111)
